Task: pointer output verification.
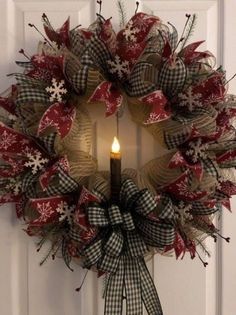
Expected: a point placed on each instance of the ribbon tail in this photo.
(114, 291)
(149, 294)
(133, 287)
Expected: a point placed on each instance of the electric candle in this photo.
(115, 168)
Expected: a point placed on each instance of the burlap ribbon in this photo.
(126, 231)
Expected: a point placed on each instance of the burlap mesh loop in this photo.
(77, 145)
(205, 122)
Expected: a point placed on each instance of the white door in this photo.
(185, 287)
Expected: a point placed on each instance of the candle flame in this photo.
(115, 148)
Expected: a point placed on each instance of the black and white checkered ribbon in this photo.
(126, 231)
(61, 184)
(137, 85)
(95, 55)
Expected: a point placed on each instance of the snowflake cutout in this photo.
(197, 150)
(36, 162)
(152, 118)
(45, 211)
(39, 58)
(177, 159)
(119, 67)
(66, 212)
(7, 140)
(56, 90)
(14, 186)
(183, 212)
(130, 32)
(183, 188)
(190, 99)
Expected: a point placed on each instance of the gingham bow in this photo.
(125, 231)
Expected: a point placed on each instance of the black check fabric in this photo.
(74, 233)
(96, 216)
(48, 142)
(79, 77)
(76, 42)
(114, 291)
(149, 294)
(172, 78)
(219, 195)
(210, 167)
(114, 243)
(136, 85)
(156, 234)
(66, 184)
(198, 208)
(132, 282)
(121, 245)
(136, 244)
(92, 253)
(94, 55)
(173, 37)
(166, 208)
(145, 203)
(26, 65)
(99, 53)
(29, 94)
(108, 263)
(128, 222)
(28, 185)
(25, 80)
(115, 215)
(172, 141)
(133, 287)
(128, 191)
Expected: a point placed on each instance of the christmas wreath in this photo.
(171, 89)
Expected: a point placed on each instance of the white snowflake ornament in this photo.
(197, 150)
(119, 67)
(190, 100)
(130, 32)
(66, 212)
(56, 90)
(35, 162)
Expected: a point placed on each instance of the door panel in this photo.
(185, 287)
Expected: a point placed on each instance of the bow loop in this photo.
(96, 216)
(93, 253)
(129, 193)
(167, 209)
(145, 203)
(115, 215)
(128, 223)
(136, 245)
(114, 245)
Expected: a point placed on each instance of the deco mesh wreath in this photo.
(174, 92)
